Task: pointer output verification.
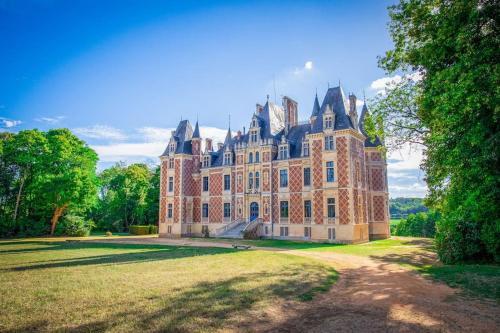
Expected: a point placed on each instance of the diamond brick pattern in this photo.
(364, 208)
(344, 216)
(369, 208)
(239, 205)
(342, 162)
(266, 201)
(266, 185)
(215, 183)
(318, 206)
(187, 178)
(176, 209)
(376, 157)
(163, 210)
(196, 210)
(239, 185)
(356, 205)
(296, 209)
(275, 181)
(177, 178)
(317, 168)
(377, 180)
(215, 210)
(276, 208)
(164, 178)
(295, 178)
(378, 208)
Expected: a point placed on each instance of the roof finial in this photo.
(328, 84)
(339, 82)
(268, 97)
(229, 121)
(316, 91)
(364, 97)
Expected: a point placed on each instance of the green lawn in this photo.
(415, 253)
(74, 286)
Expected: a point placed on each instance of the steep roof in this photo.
(336, 100)
(182, 137)
(368, 141)
(316, 108)
(196, 133)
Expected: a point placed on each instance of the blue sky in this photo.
(121, 74)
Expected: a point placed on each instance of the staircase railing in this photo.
(228, 226)
(251, 229)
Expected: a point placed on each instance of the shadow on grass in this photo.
(147, 253)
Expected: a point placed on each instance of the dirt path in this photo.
(370, 296)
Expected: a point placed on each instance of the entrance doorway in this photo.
(254, 211)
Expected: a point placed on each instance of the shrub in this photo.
(418, 225)
(143, 229)
(109, 234)
(153, 229)
(75, 226)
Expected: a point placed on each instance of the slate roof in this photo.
(182, 137)
(368, 141)
(336, 100)
(196, 133)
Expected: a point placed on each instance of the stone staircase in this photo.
(235, 232)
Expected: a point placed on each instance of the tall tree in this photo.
(453, 46)
(70, 179)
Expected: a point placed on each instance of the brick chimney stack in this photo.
(353, 114)
(208, 144)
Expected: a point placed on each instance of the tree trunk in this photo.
(55, 218)
(18, 198)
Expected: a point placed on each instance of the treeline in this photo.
(421, 224)
(49, 185)
(402, 207)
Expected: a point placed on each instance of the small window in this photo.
(250, 181)
(283, 152)
(227, 182)
(307, 208)
(331, 233)
(171, 163)
(205, 184)
(284, 209)
(330, 175)
(329, 143)
(227, 159)
(250, 158)
(307, 176)
(257, 157)
(305, 149)
(257, 180)
(169, 229)
(331, 207)
(227, 209)
(283, 231)
(204, 212)
(206, 161)
(328, 122)
(283, 178)
(266, 230)
(307, 232)
(253, 136)
(169, 211)
(170, 184)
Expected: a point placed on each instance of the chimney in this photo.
(238, 134)
(208, 144)
(258, 108)
(353, 114)
(243, 130)
(219, 145)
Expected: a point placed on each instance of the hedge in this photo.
(143, 229)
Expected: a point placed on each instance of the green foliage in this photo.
(73, 225)
(402, 207)
(418, 225)
(109, 234)
(143, 229)
(453, 46)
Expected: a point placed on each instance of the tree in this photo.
(69, 181)
(453, 46)
(153, 197)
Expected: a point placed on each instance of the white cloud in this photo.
(380, 85)
(50, 120)
(9, 123)
(100, 132)
(413, 190)
(155, 134)
(308, 65)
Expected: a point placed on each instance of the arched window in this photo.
(257, 180)
(257, 157)
(250, 180)
(250, 158)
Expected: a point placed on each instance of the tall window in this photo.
(329, 143)
(284, 209)
(331, 233)
(307, 176)
(206, 161)
(257, 180)
(250, 181)
(253, 136)
(227, 159)
(305, 149)
(170, 184)
(169, 211)
(204, 210)
(227, 182)
(331, 207)
(205, 184)
(307, 208)
(227, 209)
(250, 158)
(171, 163)
(257, 157)
(283, 178)
(328, 122)
(283, 152)
(330, 175)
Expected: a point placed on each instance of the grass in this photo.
(415, 253)
(55, 285)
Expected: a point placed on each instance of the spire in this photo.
(196, 133)
(228, 139)
(316, 108)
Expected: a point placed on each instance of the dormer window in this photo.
(254, 123)
(171, 147)
(328, 122)
(283, 152)
(305, 148)
(227, 159)
(206, 161)
(253, 136)
(329, 143)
